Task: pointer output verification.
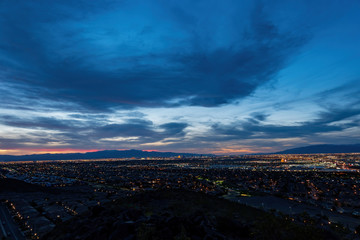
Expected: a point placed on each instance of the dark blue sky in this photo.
(189, 76)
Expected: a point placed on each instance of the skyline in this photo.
(203, 77)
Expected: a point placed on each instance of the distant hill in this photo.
(324, 148)
(94, 155)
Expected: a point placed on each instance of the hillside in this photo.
(14, 185)
(325, 148)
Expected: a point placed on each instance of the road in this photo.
(8, 227)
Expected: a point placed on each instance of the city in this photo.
(179, 120)
(324, 187)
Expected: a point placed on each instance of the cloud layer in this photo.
(204, 76)
(71, 54)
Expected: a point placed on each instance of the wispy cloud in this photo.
(88, 74)
(200, 76)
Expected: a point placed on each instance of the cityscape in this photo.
(179, 120)
(323, 189)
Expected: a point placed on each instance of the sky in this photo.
(204, 76)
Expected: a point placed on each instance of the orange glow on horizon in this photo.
(225, 151)
(233, 151)
(28, 151)
(221, 151)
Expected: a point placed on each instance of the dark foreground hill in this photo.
(325, 148)
(180, 215)
(94, 155)
(14, 185)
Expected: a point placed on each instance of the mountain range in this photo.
(324, 148)
(94, 155)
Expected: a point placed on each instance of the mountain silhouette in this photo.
(95, 155)
(324, 148)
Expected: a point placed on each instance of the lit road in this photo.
(7, 226)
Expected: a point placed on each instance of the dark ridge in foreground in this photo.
(325, 148)
(180, 215)
(14, 185)
(94, 155)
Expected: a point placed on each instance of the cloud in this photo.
(79, 134)
(127, 130)
(332, 120)
(41, 123)
(102, 67)
(144, 130)
(187, 75)
(174, 128)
